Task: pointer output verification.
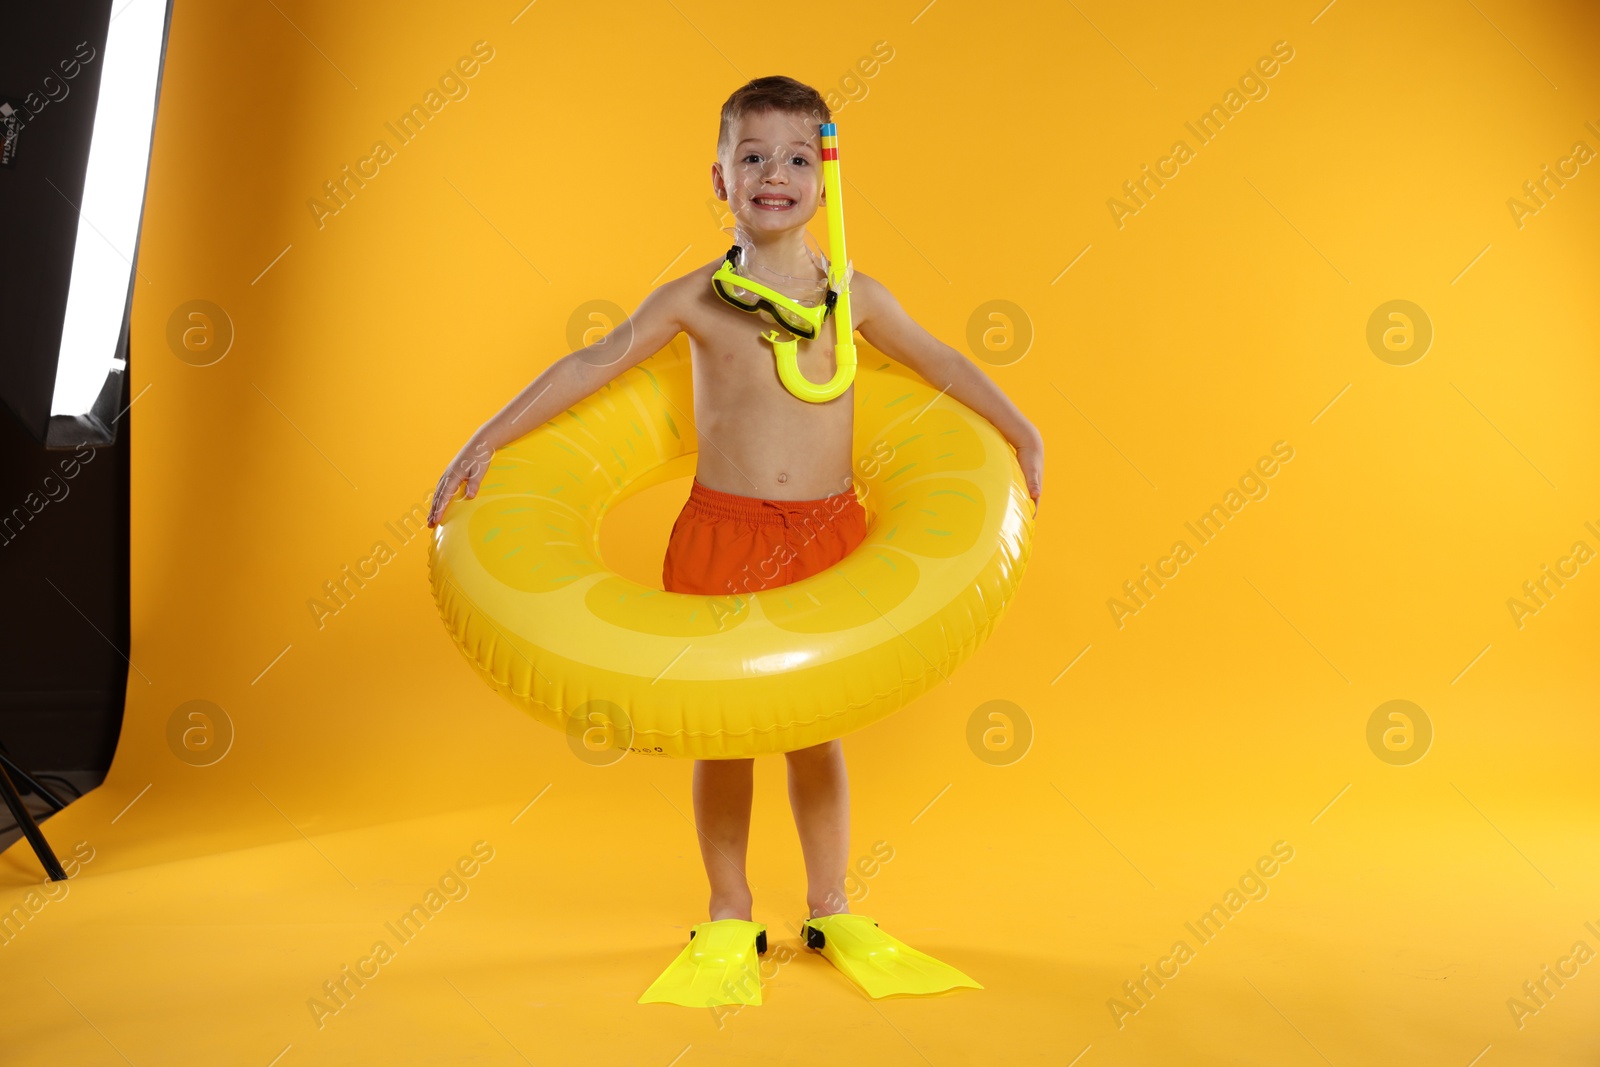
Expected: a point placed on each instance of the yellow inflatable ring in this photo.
(517, 575)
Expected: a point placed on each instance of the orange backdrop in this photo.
(1394, 879)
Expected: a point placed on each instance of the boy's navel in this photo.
(782, 477)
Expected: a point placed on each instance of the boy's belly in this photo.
(755, 437)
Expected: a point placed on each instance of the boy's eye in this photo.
(755, 157)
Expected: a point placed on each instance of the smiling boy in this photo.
(766, 458)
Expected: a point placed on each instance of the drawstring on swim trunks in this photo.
(767, 512)
(789, 511)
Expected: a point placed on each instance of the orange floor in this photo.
(1413, 908)
(1428, 888)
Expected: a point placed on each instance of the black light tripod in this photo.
(41, 847)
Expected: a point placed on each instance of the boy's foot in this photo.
(731, 907)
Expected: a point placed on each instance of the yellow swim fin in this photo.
(881, 965)
(719, 965)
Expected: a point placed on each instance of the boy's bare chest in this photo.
(757, 438)
(733, 361)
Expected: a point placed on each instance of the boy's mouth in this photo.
(773, 203)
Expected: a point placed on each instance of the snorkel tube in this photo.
(844, 347)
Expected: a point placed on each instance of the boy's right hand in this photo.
(468, 468)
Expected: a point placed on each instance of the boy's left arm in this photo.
(886, 326)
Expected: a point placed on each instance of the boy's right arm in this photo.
(565, 382)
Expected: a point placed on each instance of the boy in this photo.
(765, 458)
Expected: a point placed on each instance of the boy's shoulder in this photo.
(864, 283)
(868, 296)
(691, 286)
(677, 299)
(697, 278)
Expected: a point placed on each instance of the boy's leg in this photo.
(722, 792)
(819, 793)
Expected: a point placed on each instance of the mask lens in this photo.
(794, 323)
(726, 283)
(735, 295)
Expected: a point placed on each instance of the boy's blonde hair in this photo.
(772, 93)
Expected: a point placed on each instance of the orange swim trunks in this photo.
(724, 544)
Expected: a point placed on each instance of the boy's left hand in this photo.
(1030, 457)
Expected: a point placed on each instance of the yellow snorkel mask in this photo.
(803, 320)
(800, 319)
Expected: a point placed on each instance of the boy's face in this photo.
(771, 172)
